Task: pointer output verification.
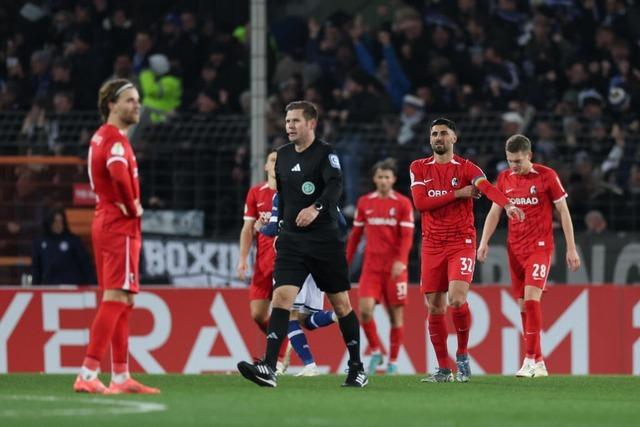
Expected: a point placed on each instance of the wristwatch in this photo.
(318, 206)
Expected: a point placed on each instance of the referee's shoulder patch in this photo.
(334, 161)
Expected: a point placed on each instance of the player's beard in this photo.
(131, 119)
(440, 149)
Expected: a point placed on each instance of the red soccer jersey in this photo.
(258, 203)
(535, 193)
(451, 224)
(388, 223)
(113, 173)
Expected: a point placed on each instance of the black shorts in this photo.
(318, 254)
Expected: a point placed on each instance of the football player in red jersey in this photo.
(116, 238)
(536, 189)
(257, 207)
(443, 187)
(386, 217)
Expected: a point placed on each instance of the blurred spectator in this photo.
(506, 23)
(9, 97)
(501, 79)
(61, 76)
(58, 256)
(40, 75)
(123, 69)
(142, 47)
(358, 107)
(119, 31)
(512, 123)
(161, 90)
(411, 117)
(63, 135)
(591, 102)
(178, 48)
(33, 132)
(414, 42)
(86, 69)
(595, 223)
(546, 145)
(390, 72)
(622, 109)
(634, 180)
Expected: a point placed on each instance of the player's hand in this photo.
(573, 260)
(275, 239)
(261, 222)
(242, 268)
(139, 210)
(397, 268)
(306, 216)
(468, 192)
(122, 208)
(482, 253)
(514, 212)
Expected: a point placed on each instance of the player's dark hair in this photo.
(518, 143)
(309, 110)
(442, 121)
(388, 164)
(109, 92)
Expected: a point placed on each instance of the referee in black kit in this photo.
(309, 182)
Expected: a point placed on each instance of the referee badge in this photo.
(334, 161)
(308, 188)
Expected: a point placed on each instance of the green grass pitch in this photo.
(398, 401)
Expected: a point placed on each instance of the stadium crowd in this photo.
(565, 72)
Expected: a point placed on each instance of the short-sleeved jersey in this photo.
(535, 193)
(304, 178)
(382, 219)
(451, 225)
(108, 146)
(258, 204)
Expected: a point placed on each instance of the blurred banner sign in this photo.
(174, 223)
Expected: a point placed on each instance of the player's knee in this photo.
(437, 309)
(282, 300)
(259, 317)
(366, 316)
(457, 301)
(342, 308)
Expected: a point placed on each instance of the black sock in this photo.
(276, 332)
(350, 328)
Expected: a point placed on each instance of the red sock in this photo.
(438, 334)
(120, 343)
(462, 322)
(395, 341)
(523, 316)
(103, 327)
(371, 331)
(532, 328)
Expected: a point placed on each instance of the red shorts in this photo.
(528, 270)
(438, 269)
(261, 283)
(380, 286)
(117, 259)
